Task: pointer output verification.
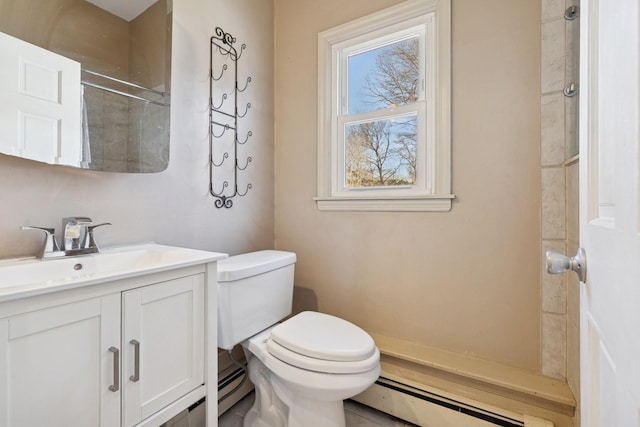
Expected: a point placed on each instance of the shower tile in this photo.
(571, 126)
(552, 150)
(573, 203)
(554, 345)
(553, 203)
(572, 40)
(554, 286)
(553, 56)
(552, 9)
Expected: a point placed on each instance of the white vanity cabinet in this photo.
(162, 346)
(56, 367)
(125, 352)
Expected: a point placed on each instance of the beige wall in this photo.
(467, 280)
(172, 207)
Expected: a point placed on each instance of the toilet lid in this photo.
(323, 366)
(325, 337)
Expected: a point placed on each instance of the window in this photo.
(383, 117)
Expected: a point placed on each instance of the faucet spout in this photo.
(74, 230)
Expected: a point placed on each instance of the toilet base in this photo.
(275, 406)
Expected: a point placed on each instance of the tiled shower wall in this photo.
(559, 171)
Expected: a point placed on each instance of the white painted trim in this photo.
(440, 197)
(396, 204)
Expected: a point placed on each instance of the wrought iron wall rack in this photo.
(224, 124)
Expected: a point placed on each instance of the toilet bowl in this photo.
(302, 368)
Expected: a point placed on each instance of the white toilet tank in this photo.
(255, 291)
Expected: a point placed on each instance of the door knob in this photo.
(559, 263)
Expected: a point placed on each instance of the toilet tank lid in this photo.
(250, 264)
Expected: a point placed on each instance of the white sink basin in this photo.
(30, 276)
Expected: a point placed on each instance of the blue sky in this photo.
(359, 66)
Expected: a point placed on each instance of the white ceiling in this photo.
(125, 9)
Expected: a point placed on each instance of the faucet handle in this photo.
(89, 240)
(50, 243)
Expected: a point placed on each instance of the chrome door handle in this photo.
(116, 369)
(136, 361)
(559, 263)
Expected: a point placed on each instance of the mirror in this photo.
(113, 59)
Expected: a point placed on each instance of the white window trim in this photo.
(439, 198)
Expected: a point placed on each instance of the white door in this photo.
(163, 345)
(610, 214)
(40, 112)
(56, 367)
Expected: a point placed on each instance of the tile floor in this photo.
(357, 415)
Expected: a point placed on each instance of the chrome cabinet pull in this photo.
(116, 369)
(136, 361)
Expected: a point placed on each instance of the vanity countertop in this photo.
(25, 277)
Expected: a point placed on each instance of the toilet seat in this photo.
(323, 343)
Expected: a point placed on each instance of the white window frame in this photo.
(431, 20)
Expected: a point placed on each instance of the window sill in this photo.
(436, 203)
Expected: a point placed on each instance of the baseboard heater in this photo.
(226, 384)
(451, 404)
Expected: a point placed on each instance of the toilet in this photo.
(302, 368)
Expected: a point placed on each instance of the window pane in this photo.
(383, 77)
(381, 152)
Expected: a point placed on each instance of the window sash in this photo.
(390, 36)
(424, 153)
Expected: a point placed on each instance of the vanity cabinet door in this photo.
(163, 345)
(56, 367)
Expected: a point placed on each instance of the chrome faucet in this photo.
(74, 230)
(78, 239)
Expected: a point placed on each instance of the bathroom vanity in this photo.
(121, 338)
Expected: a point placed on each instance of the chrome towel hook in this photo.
(570, 90)
(571, 13)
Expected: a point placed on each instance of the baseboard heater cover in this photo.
(229, 379)
(227, 384)
(451, 404)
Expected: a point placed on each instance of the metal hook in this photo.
(571, 13)
(225, 128)
(224, 97)
(249, 159)
(570, 90)
(245, 111)
(239, 54)
(224, 157)
(246, 139)
(249, 186)
(224, 68)
(245, 86)
(213, 193)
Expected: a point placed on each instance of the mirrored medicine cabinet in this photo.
(86, 83)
